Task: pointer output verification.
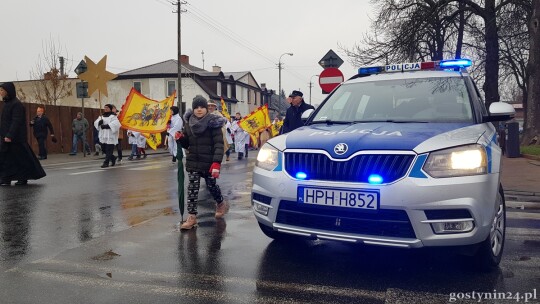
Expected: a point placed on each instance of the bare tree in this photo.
(51, 82)
(514, 47)
(532, 120)
(410, 30)
(490, 13)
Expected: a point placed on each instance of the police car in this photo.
(401, 155)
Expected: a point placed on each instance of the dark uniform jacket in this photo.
(204, 148)
(293, 117)
(41, 125)
(13, 122)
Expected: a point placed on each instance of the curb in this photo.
(522, 196)
(531, 157)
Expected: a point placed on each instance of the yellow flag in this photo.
(224, 110)
(152, 139)
(256, 121)
(145, 115)
(276, 127)
(254, 139)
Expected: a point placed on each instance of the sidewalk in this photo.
(59, 158)
(520, 176)
(521, 179)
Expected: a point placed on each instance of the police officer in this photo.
(293, 117)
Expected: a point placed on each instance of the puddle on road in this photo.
(108, 255)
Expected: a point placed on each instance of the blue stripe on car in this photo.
(280, 161)
(489, 151)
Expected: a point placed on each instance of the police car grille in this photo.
(384, 222)
(318, 166)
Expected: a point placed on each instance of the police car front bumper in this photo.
(410, 214)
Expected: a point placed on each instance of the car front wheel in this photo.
(489, 253)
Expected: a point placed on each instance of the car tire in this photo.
(489, 252)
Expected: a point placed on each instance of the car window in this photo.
(438, 99)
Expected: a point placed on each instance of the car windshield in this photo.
(437, 99)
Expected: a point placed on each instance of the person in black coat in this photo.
(203, 138)
(41, 125)
(17, 160)
(293, 117)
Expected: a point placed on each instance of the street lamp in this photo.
(279, 68)
(310, 86)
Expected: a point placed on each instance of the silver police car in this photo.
(401, 155)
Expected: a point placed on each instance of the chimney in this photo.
(184, 59)
(216, 68)
(263, 86)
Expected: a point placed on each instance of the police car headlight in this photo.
(267, 158)
(460, 161)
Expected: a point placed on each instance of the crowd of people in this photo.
(205, 134)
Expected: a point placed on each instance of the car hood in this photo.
(419, 137)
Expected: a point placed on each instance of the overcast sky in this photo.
(238, 35)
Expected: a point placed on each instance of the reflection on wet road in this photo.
(109, 236)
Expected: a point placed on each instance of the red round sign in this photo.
(330, 78)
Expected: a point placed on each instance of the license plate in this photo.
(347, 198)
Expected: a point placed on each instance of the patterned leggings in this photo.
(193, 190)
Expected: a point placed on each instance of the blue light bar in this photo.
(370, 70)
(455, 63)
(301, 175)
(375, 179)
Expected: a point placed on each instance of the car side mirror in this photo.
(500, 111)
(306, 114)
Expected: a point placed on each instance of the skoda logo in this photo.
(341, 148)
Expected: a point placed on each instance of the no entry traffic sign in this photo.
(329, 79)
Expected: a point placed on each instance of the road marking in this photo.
(523, 215)
(150, 167)
(86, 172)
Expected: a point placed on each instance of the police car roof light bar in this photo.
(429, 65)
(455, 63)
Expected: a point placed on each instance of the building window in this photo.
(229, 109)
(137, 85)
(171, 87)
(229, 91)
(218, 89)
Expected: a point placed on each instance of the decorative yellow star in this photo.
(97, 76)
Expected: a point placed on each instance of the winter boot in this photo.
(190, 222)
(221, 209)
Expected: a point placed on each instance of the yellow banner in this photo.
(145, 115)
(256, 121)
(224, 110)
(153, 140)
(276, 127)
(254, 139)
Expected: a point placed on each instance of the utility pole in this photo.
(310, 86)
(202, 53)
(61, 59)
(179, 90)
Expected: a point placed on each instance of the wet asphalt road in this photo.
(90, 235)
